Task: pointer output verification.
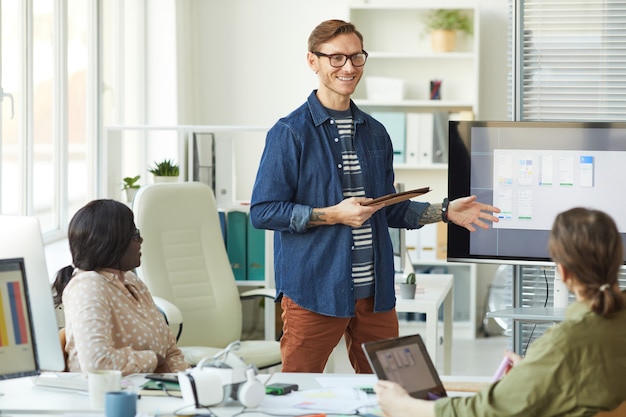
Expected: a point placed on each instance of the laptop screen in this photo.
(405, 360)
(17, 349)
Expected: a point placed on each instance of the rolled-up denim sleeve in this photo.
(299, 218)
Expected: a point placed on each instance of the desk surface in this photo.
(431, 288)
(531, 314)
(22, 397)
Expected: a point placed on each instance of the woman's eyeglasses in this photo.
(136, 235)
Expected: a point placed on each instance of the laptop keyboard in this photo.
(63, 380)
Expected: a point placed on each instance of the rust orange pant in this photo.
(309, 338)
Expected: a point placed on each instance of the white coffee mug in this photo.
(101, 382)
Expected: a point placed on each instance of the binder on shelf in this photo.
(429, 243)
(442, 241)
(222, 217)
(256, 253)
(236, 238)
(419, 138)
(395, 123)
(440, 137)
(424, 240)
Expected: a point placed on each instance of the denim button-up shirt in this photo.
(300, 169)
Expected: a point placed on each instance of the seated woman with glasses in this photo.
(111, 321)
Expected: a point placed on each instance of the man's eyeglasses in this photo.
(339, 60)
(136, 235)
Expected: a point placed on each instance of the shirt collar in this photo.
(320, 115)
(577, 310)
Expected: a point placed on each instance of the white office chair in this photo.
(184, 261)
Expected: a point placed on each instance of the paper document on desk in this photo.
(352, 381)
(325, 400)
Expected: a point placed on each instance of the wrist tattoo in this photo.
(317, 218)
(432, 214)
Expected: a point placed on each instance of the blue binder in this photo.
(256, 253)
(236, 238)
(395, 123)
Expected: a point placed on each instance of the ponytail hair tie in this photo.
(604, 287)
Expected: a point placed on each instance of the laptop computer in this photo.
(18, 355)
(21, 238)
(406, 361)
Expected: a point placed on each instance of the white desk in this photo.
(531, 314)
(22, 398)
(432, 291)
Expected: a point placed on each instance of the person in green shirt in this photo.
(577, 367)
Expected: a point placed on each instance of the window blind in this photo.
(569, 59)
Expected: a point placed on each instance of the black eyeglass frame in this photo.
(136, 235)
(345, 58)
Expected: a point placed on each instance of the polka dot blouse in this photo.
(113, 323)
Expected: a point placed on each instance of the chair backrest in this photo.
(184, 260)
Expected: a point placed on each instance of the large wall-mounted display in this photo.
(532, 171)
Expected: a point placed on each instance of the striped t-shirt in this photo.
(352, 183)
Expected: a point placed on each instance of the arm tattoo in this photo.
(316, 219)
(432, 214)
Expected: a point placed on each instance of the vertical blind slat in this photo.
(573, 67)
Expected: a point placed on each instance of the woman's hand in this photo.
(162, 366)
(394, 401)
(514, 357)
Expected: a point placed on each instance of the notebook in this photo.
(406, 361)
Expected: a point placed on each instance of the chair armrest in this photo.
(172, 314)
(259, 292)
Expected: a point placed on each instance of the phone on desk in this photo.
(163, 377)
(280, 389)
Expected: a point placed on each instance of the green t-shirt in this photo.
(577, 368)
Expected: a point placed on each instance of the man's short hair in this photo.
(329, 29)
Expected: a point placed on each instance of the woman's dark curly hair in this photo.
(98, 234)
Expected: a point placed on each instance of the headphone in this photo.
(206, 386)
(251, 392)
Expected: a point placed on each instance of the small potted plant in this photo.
(165, 171)
(407, 288)
(131, 187)
(444, 24)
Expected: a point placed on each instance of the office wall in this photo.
(249, 66)
(243, 62)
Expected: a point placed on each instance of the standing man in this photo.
(333, 257)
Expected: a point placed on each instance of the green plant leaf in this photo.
(450, 19)
(131, 182)
(165, 168)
